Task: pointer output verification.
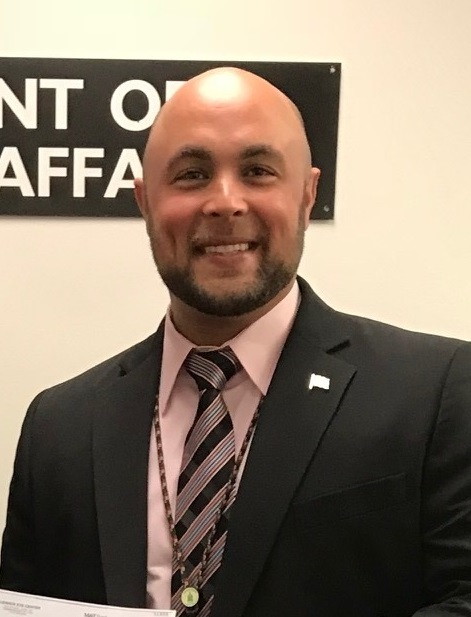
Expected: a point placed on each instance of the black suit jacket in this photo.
(355, 501)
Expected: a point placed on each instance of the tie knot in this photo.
(212, 369)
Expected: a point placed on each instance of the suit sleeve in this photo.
(18, 563)
(446, 498)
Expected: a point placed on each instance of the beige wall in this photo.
(73, 292)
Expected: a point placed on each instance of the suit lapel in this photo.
(292, 422)
(122, 429)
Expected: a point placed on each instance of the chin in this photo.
(232, 302)
(228, 296)
(229, 288)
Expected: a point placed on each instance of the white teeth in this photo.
(227, 248)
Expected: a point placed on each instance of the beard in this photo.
(273, 274)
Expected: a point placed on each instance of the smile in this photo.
(227, 248)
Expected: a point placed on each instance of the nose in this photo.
(226, 198)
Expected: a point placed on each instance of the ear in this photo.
(310, 193)
(140, 196)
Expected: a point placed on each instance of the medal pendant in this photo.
(190, 597)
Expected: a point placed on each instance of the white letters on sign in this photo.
(73, 166)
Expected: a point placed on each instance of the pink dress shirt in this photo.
(258, 348)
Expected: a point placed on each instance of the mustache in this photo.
(219, 232)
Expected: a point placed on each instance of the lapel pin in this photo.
(319, 381)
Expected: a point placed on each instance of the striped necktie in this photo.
(208, 460)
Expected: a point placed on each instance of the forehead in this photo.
(223, 127)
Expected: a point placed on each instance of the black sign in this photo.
(72, 132)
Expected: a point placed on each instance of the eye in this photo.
(191, 175)
(259, 174)
(258, 171)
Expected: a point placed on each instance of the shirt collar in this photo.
(258, 347)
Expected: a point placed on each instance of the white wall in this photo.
(73, 292)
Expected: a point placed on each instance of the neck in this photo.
(211, 330)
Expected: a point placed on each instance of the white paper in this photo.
(13, 604)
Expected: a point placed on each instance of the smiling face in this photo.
(227, 193)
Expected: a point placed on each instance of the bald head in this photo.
(220, 89)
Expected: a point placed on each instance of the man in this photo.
(349, 441)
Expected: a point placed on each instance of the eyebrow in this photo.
(203, 154)
(261, 150)
(190, 152)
